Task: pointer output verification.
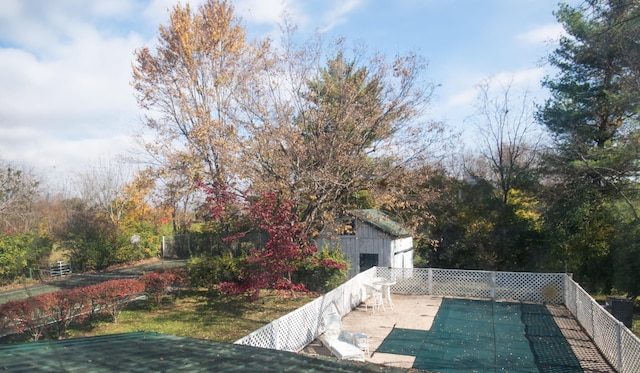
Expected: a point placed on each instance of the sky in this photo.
(66, 101)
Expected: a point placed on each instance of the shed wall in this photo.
(391, 251)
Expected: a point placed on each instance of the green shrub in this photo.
(19, 252)
(208, 271)
(324, 271)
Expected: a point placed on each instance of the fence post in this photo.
(276, 334)
(430, 280)
(493, 285)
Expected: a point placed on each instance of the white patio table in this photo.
(386, 284)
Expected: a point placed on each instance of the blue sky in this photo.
(65, 65)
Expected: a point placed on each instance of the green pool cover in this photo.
(486, 336)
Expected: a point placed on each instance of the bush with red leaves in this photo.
(288, 245)
(158, 284)
(113, 296)
(50, 311)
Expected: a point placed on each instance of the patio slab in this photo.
(409, 312)
(417, 312)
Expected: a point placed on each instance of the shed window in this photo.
(367, 261)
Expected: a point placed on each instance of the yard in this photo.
(196, 314)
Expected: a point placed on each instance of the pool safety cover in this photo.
(486, 336)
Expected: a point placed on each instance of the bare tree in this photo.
(509, 136)
(103, 187)
(18, 189)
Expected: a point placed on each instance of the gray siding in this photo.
(369, 240)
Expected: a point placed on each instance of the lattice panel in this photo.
(530, 287)
(461, 283)
(570, 289)
(297, 329)
(294, 330)
(605, 334)
(584, 306)
(408, 281)
(630, 352)
(264, 337)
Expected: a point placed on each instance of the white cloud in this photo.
(338, 15)
(65, 96)
(521, 80)
(549, 33)
(263, 11)
(111, 8)
(157, 11)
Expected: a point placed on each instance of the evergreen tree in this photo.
(593, 115)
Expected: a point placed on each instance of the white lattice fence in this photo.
(585, 310)
(456, 283)
(605, 334)
(408, 281)
(523, 286)
(630, 352)
(617, 343)
(294, 331)
(530, 287)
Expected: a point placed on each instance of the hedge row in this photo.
(54, 312)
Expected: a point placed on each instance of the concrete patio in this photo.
(419, 311)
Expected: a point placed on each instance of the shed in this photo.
(370, 238)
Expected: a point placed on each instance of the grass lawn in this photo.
(201, 314)
(196, 314)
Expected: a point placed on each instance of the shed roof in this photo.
(153, 352)
(381, 221)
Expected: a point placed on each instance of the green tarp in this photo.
(486, 336)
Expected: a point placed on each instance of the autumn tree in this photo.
(146, 217)
(344, 128)
(225, 217)
(188, 87)
(287, 246)
(249, 115)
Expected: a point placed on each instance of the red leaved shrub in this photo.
(62, 307)
(25, 315)
(271, 267)
(111, 297)
(158, 284)
(55, 311)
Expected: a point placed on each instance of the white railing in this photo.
(616, 342)
(297, 329)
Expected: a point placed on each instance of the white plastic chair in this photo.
(374, 296)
